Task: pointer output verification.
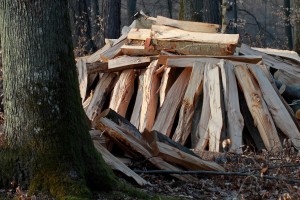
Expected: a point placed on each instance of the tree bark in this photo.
(46, 141)
(297, 26)
(131, 10)
(197, 10)
(211, 11)
(287, 23)
(112, 18)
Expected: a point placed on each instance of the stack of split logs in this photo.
(172, 91)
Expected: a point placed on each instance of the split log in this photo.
(188, 25)
(135, 117)
(149, 105)
(139, 34)
(194, 88)
(258, 108)
(134, 50)
(196, 119)
(166, 116)
(96, 67)
(116, 164)
(270, 61)
(210, 126)
(292, 55)
(127, 62)
(82, 77)
(160, 32)
(115, 50)
(287, 78)
(280, 115)
(172, 59)
(201, 135)
(123, 92)
(103, 88)
(169, 77)
(235, 121)
(97, 55)
(188, 161)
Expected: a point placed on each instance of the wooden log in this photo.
(201, 135)
(97, 55)
(135, 50)
(287, 78)
(190, 98)
(188, 25)
(296, 108)
(149, 105)
(135, 117)
(166, 116)
(123, 92)
(211, 122)
(160, 32)
(292, 55)
(103, 88)
(196, 119)
(193, 48)
(279, 113)
(139, 34)
(116, 164)
(97, 67)
(170, 59)
(168, 78)
(235, 121)
(82, 77)
(270, 61)
(258, 108)
(113, 51)
(183, 159)
(128, 62)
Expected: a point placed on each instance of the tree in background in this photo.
(211, 11)
(131, 10)
(112, 18)
(297, 26)
(287, 23)
(46, 144)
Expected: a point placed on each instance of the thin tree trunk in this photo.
(229, 16)
(112, 17)
(297, 26)
(170, 8)
(46, 143)
(211, 11)
(287, 23)
(197, 10)
(131, 10)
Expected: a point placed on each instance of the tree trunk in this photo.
(46, 143)
(229, 17)
(297, 26)
(170, 8)
(197, 10)
(131, 10)
(211, 11)
(287, 23)
(112, 16)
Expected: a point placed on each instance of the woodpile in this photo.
(173, 91)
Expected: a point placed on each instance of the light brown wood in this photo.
(160, 32)
(135, 50)
(167, 113)
(258, 108)
(135, 117)
(183, 159)
(271, 61)
(188, 25)
(279, 113)
(128, 62)
(162, 59)
(96, 56)
(82, 77)
(149, 105)
(279, 52)
(116, 164)
(235, 121)
(113, 51)
(201, 134)
(123, 92)
(104, 87)
(190, 98)
(139, 34)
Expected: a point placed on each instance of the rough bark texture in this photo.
(47, 146)
(287, 23)
(211, 11)
(112, 17)
(197, 10)
(297, 26)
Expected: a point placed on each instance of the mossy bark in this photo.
(46, 142)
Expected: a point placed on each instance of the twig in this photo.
(215, 173)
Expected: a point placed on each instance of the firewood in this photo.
(167, 113)
(103, 88)
(280, 115)
(97, 55)
(96, 67)
(135, 117)
(123, 92)
(134, 50)
(116, 164)
(287, 91)
(115, 50)
(82, 76)
(287, 78)
(188, 25)
(235, 121)
(258, 109)
(149, 105)
(128, 62)
(193, 90)
(188, 161)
